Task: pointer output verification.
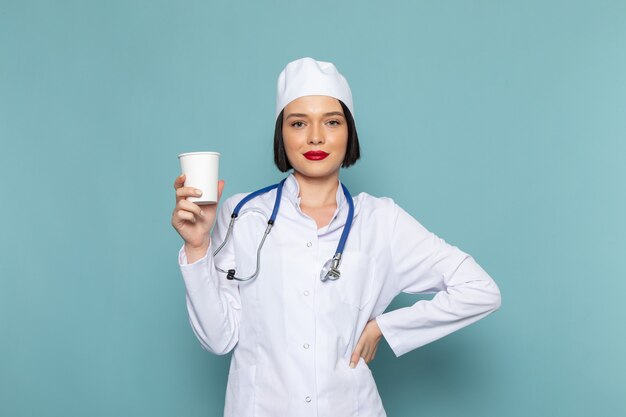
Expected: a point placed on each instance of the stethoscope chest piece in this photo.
(330, 270)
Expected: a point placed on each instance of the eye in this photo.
(334, 122)
(297, 124)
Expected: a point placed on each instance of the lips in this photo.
(315, 155)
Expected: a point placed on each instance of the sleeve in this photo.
(422, 263)
(213, 302)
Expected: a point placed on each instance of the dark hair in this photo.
(353, 151)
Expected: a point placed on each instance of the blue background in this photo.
(499, 125)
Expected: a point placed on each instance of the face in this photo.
(315, 124)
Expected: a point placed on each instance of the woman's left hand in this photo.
(367, 344)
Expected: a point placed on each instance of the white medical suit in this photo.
(293, 334)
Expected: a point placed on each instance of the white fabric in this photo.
(293, 334)
(309, 77)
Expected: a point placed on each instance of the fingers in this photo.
(220, 188)
(365, 354)
(180, 180)
(354, 359)
(186, 205)
(183, 192)
(187, 210)
(373, 355)
(363, 349)
(186, 215)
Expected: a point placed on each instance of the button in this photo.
(309, 244)
(306, 345)
(306, 292)
(307, 399)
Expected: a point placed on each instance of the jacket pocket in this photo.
(356, 280)
(240, 392)
(368, 398)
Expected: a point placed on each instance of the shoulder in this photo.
(264, 202)
(383, 209)
(372, 202)
(379, 207)
(230, 202)
(234, 199)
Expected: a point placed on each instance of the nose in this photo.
(317, 135)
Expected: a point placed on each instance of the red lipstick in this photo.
(315, 155)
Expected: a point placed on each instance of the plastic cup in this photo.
(201, 171)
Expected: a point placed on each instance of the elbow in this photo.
(478, 289)
(220, 345)
(497, 300)
(494, 297)
(480, 296)
(220, 351)
(489, 290)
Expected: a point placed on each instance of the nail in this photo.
(352, 365)
(202, 212)
(198, 192)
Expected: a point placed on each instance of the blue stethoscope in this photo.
(330, 270)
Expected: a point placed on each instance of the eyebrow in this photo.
(332, 113)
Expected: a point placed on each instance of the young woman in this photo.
(301, 326)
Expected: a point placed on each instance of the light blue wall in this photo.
(499, 125)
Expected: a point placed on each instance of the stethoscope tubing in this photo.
(331, 267)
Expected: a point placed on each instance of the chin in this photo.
(318, 172)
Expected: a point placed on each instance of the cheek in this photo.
(290, 143)
(341, 140)
(291, 146)
(294, 139)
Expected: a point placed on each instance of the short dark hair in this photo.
(353, 151)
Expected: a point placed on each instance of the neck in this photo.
(319, 191)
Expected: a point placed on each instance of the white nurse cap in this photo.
(308, 77)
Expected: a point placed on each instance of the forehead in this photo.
(313, 104)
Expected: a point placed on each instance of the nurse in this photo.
(301, 345)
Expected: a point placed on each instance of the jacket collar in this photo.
(291, 190)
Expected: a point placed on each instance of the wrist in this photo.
(195, 252)
(379, 333)
(198, 246)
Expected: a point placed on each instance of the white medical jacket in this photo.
(292, 335)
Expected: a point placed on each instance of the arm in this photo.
(213, 302)
(425, 264)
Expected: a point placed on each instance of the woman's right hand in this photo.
(192, 221)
